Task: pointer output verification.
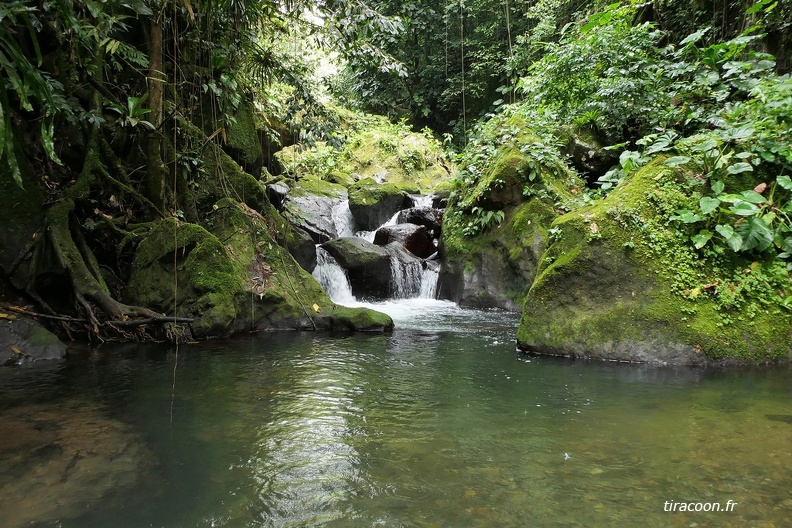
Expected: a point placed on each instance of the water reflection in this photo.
(441, 424)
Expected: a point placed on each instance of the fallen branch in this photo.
(164, 319)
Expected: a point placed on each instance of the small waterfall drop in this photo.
(343, 220)
(429, 283)
(405, 278)
(333, 278)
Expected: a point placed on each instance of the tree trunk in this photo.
(156, 173)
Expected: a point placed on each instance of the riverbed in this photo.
(440, 424)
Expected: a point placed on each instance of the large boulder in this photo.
(372, 204)
(587, 152)
(429, 217)
(368, 266)
(245, 283)
(414, 238)
(315, 206)
(619, 283)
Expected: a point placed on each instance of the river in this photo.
(441, 424)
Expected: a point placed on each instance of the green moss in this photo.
(310, 186)
(369, 192)
(339, 178)
(243, 137)
(39, 336)
(620, 283)
(221, 177)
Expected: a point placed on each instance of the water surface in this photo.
(441, 424)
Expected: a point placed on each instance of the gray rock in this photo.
(368, 266)
(24, 340)
(372, 204)
(429, 217)
(414, 238)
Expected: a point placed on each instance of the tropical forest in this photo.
(418, 263)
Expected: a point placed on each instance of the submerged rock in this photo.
(64, 458)
(618, 283)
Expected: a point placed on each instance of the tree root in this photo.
(75, 257)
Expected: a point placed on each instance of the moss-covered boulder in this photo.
(377, 149)
(619, 283)
(372, 204)
(247, 282)
(496, 229)
(243, 142)
(217, 176)
(319, 208)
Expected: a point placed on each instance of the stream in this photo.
(440, 424)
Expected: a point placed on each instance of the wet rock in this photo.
(24, 340)
(372, 204)
(368, 265)
(276, 192)
(311, 204)
(414, 238)
(301, 245)
(429, 217)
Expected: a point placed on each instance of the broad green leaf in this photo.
(676, 161)
(733, 240)
(47, 140)
(786, 245)
(687, 217)
(785, 182)
(752, 197)
(701, 239)
(744, 209)
(739, 167)
(708, 204)
(717, 187)
(756, 234)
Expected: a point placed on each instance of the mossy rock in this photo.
(496, 266)
(339, 178)
(368, 266)
(203, 285)
(220, 176)
(310, 205)
(242, 139)
(246, 283)
(618, 283)
(372, 204)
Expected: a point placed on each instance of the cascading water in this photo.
(411, 278)
(405, 279)
(343, 220)
(332, 278)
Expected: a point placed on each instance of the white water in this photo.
(408, 278)
(343, 220)
(422, 200)
(332, 278)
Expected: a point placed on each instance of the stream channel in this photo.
(439, 424)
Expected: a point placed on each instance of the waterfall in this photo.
(405, 278)
(429, 283)
(333, 278)
(423, 200)
(343, 220)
